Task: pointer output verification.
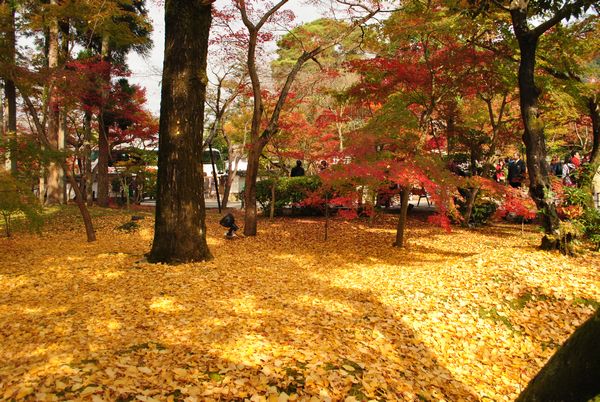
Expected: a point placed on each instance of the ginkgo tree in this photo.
(180, 229)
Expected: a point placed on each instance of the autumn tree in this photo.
(573, 86)
(180, 230)
(121, 26)
(227, 87)
(318, 114)
(530, 20)
(255, 21)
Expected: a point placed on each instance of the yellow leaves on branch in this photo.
(285, 316)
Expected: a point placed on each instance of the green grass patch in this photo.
(586, 302)
(493, 315)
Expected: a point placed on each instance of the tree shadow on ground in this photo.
(261, 323)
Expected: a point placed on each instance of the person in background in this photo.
(323, 166)
(298, 170)
(516, 171)
(576, 159)
(206, 184)
(499, 175)
(567, 169)
(556, 166)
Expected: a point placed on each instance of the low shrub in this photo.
(17, 199)
(289, 192)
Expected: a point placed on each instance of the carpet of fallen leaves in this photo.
(467, 315)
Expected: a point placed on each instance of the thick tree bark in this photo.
(180, 230)
(404, 194)
(533, 137)
(573, 373)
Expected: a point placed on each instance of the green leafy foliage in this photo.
(590, 223)
(483, 209)
(15, 199)
(289, 192)
(577, 196)
(585, 217)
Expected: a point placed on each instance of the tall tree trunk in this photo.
(533, 137)
(4, 156)
(11, 128)
(87, 151)
(404, 194)
(63, 57)
(54, 192)
(9, 88)
(103, 143)
(180, 230)
(573, 373)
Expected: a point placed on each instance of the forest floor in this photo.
(466, 315)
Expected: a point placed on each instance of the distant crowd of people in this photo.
(567, 168)
(513, 170)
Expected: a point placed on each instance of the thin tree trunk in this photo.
(404, 194)
(215, 177)
(573, 373)
(272, 209)
(472, 196)
(231, 173)
(42, 136)
(180, 229)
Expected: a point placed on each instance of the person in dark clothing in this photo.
(298, 170)
(516, 171)
(556, 166)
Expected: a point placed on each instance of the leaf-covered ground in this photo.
(470, 315)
